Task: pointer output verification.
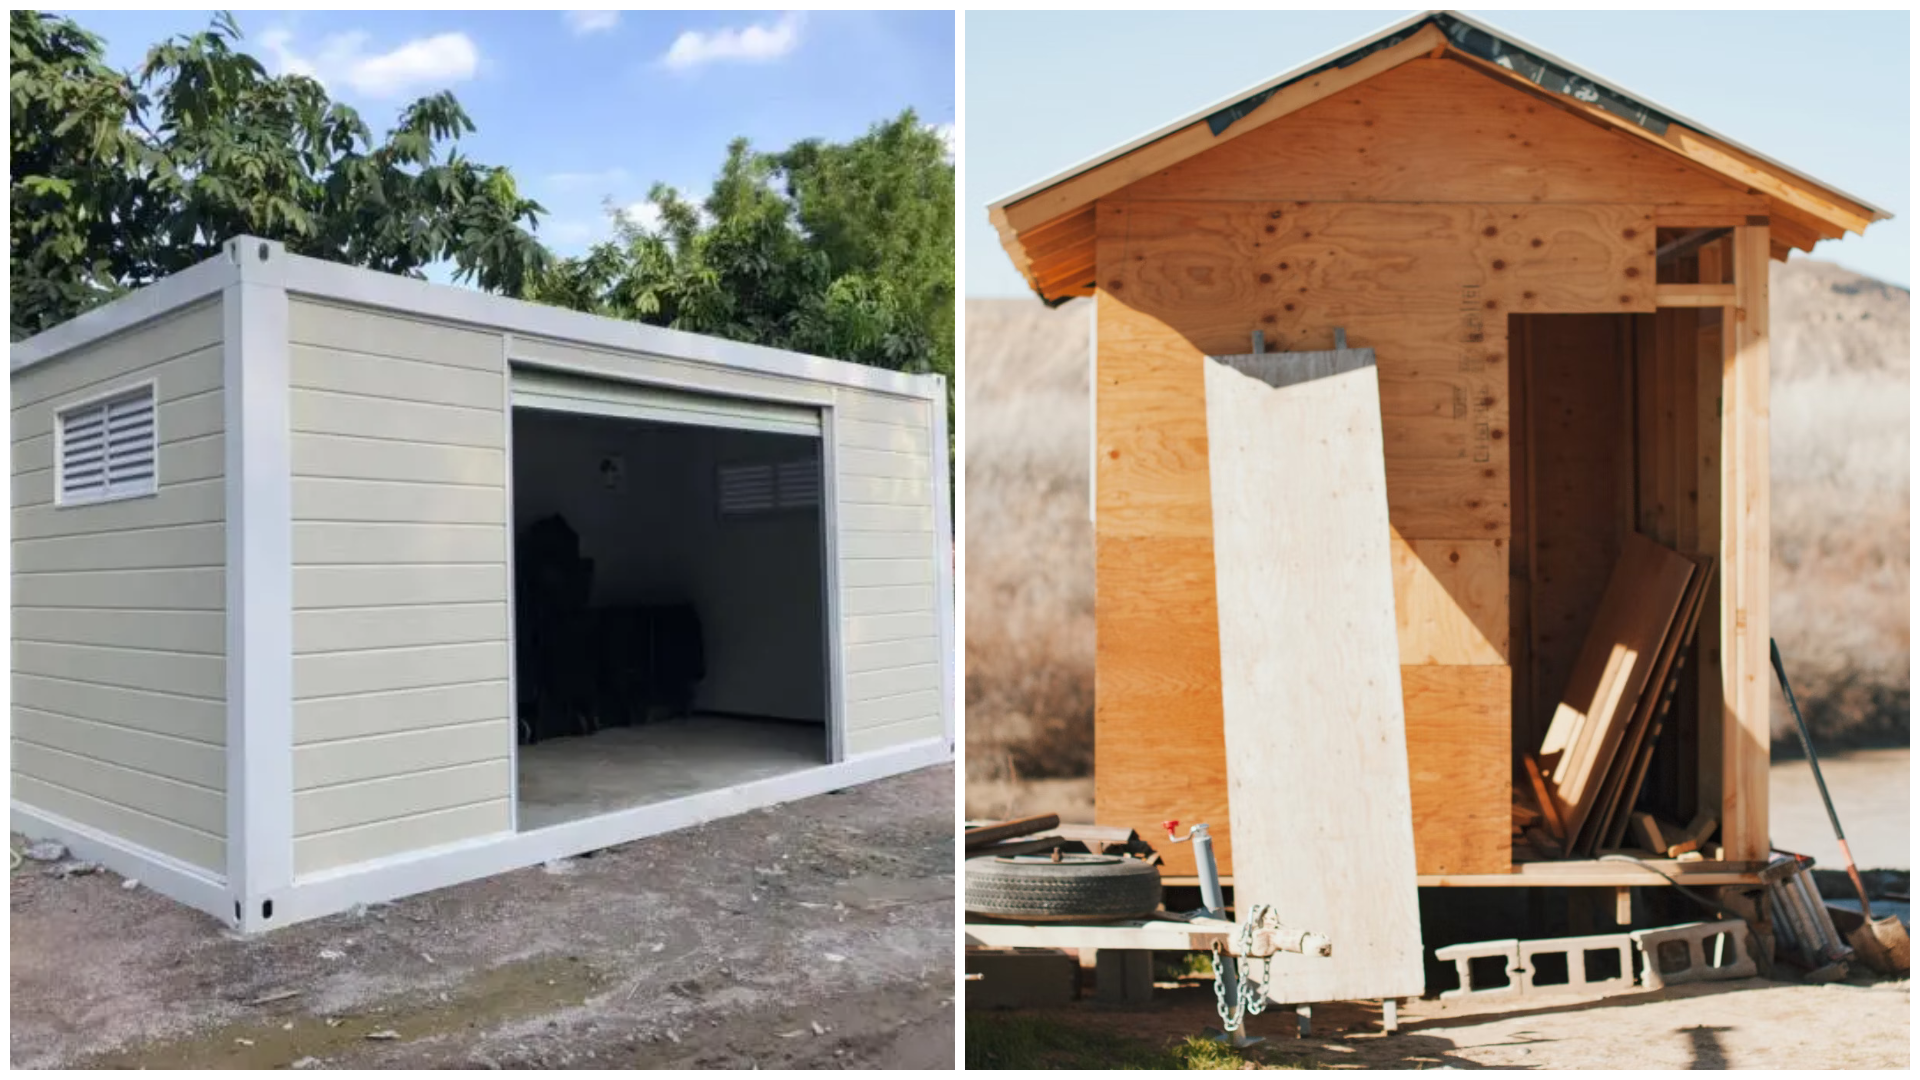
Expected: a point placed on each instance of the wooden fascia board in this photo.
(1717, 158)
(1080, 191)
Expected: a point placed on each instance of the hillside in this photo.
(1840, 441)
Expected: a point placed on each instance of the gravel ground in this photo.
(1748, 1024)
(820, 933)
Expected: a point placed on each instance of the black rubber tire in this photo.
(1079, 887)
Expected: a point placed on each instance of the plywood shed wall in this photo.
(1422, 210)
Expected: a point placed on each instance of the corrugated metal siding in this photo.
(401, 724)
(887, 547)
(119, 608)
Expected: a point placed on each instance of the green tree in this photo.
(842, 250)
(122, 178)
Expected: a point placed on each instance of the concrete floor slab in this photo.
(580, 776)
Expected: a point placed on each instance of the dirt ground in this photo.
(1749, 1024)
(815, 934)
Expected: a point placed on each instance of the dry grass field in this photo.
(1840, 513)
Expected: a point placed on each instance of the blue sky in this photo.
(585, 106)
(1826, 92)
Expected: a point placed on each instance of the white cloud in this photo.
(423, 64)
(583, 23)
(752, 44)
(945, 134)
(605, 179)
(643, 215)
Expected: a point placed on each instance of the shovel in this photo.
(1882, 943)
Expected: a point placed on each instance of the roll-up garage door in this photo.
(603, 397)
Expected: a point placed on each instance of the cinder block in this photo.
(1464, 954)
(1123, 976)
(1521, 966)
(1576, 950)
(1021, 978)
(1677, 954)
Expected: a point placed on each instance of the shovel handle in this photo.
(1806, 743)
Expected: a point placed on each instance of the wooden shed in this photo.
(1565, 288)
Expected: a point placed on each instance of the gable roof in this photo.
(1047, 227)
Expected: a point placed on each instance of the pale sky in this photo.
(1826, 92)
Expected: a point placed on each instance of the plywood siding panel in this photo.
(1437, 131)
(1158, 742)
(1450, 600)
(402, 723)
(1460, 767)
(119, 671)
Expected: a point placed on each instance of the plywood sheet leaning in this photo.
(1615, 662)
(1315, 731)
(1662, 698)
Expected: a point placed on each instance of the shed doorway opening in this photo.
(670, 611)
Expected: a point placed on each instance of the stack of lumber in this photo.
(1593, 761)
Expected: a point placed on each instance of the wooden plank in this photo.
(1313, 713)
(1642, 598)
(1459, 766)
(1450, 601)
(1520, 545)
(1661, 709)
(1746, 549)
(1543, 796)
(1709, 692)
(1007, 830)
(1622, 775)
(1692, 296)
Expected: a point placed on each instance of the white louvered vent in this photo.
(764, 487)
(108, 449)
(799, 484)
(747, 489)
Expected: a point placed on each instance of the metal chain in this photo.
(1251, 1002)
(1245, 999)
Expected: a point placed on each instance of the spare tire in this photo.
(1078, 888)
